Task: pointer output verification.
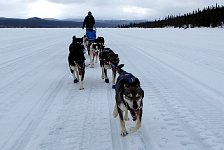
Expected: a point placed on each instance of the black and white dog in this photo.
(95, 48)
(129, 97)
(94, 53)
(108, 60)
(101, 42)
(85, 41)
(76, 60)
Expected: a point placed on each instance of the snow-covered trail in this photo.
(181, 72)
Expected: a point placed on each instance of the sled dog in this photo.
(95, 48)
(76, 60)
(129, 97)
(94, 53)
(101, 41)
(85, 41)
(108, 60)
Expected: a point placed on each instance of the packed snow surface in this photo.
(181, 72)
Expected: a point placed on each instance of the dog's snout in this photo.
(135, 105)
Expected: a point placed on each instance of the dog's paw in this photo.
(107, 80)
(113, 86)
(126, 118)
(76, 81)
(134, 129)
(124, 133)
(72, 67)
(115, 113)
(87, 65)
(82, 88)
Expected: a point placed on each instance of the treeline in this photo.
(212, 16)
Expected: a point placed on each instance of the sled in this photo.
(91, 35)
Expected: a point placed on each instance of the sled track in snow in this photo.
(185, 75)
(42, 109)
(198, 136)
(26, 127)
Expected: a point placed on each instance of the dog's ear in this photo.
(126, 85)
(137, 82)
(116, 55)
(119, 70)
(120, 66)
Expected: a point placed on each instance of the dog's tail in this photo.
(119, 70)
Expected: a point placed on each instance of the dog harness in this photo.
(126, 76)
(104, 58)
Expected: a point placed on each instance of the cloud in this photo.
(101, 9)
(44, 9)
(68, 1)
(13, 9)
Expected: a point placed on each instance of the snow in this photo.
(181, 72)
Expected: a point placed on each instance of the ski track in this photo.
(201, 137)
(45, 110)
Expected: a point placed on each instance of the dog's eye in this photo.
(130, 96)
(127, 97)
(138, 96)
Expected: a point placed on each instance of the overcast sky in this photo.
(101, 9)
